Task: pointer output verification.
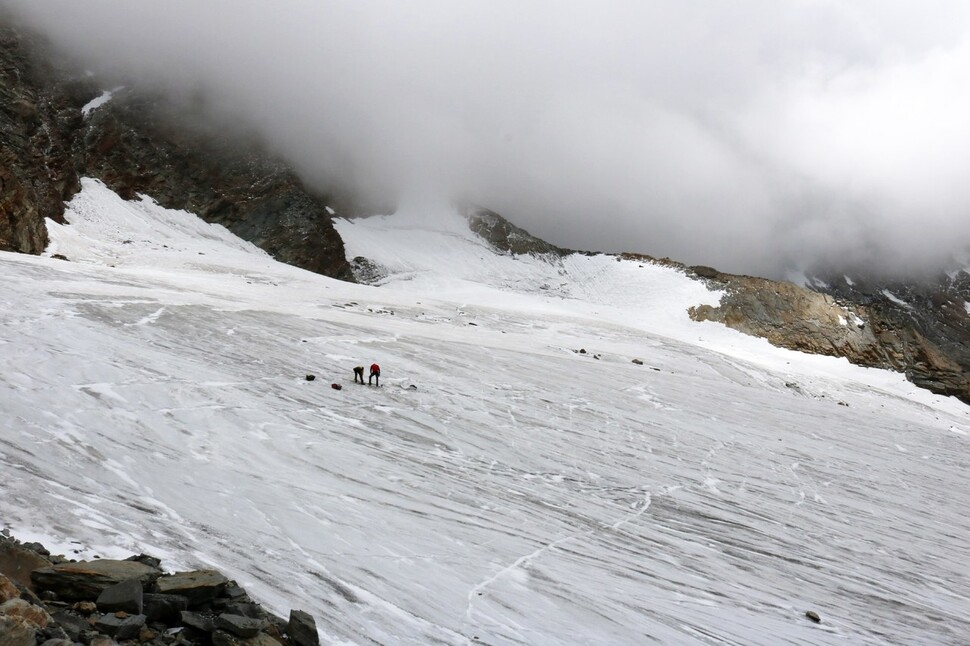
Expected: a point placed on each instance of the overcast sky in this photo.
(749, 135)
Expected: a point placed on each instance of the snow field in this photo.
(522, 492)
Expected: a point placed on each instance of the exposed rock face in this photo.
(138, 143)
(879, 334)
(88, 579)
(36, 123)
(505, 236)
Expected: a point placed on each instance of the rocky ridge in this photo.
(50, 600)
(58, 124)
(925, 343)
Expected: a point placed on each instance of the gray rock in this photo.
(87, 579)
(125, 596)
(246, 610)
(58, 642)
(29, 612)
(72, 624)
(302, 629)
(164, 608)
(222, 638)
(150, 561)
(198, 620)
(240, 626)
(198, 586)
(8, 590)
(53, 631)
(235, 592)
(120, 628)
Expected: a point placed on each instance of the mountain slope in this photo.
(520, 492)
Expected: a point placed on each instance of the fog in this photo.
(754, 136)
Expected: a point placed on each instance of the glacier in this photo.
(517, 479)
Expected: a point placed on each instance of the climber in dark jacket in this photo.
(375, 374)
(359, 374)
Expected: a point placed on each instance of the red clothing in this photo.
(375, 369)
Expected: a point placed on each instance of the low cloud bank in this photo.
(753, 136)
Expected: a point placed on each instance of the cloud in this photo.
(750, 135)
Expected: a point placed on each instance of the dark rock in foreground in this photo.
(133, 601)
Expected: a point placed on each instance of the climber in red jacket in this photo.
(375, 374)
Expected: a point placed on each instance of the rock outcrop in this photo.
(879, 334)
(51, 134)
(132, 601)
(505, 236)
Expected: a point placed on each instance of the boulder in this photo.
(222, 638)
(164, 608)
(102, 640)
(198, 620)
(198, 586)
(121, 628)
(253, 610)
(15, 631)
(125, 596)
(35, 615)
(71, 624)
(240, 626)
(302, 629)
(87, 579)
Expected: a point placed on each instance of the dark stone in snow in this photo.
(311, 377)
(302, 629)
(638, 362)
(811, 614)
(125, 596)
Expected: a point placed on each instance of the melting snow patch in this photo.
(99, 101)
(895, 299)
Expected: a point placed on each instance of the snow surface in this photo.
(521, 492)
(99, 101)
(895, 299)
